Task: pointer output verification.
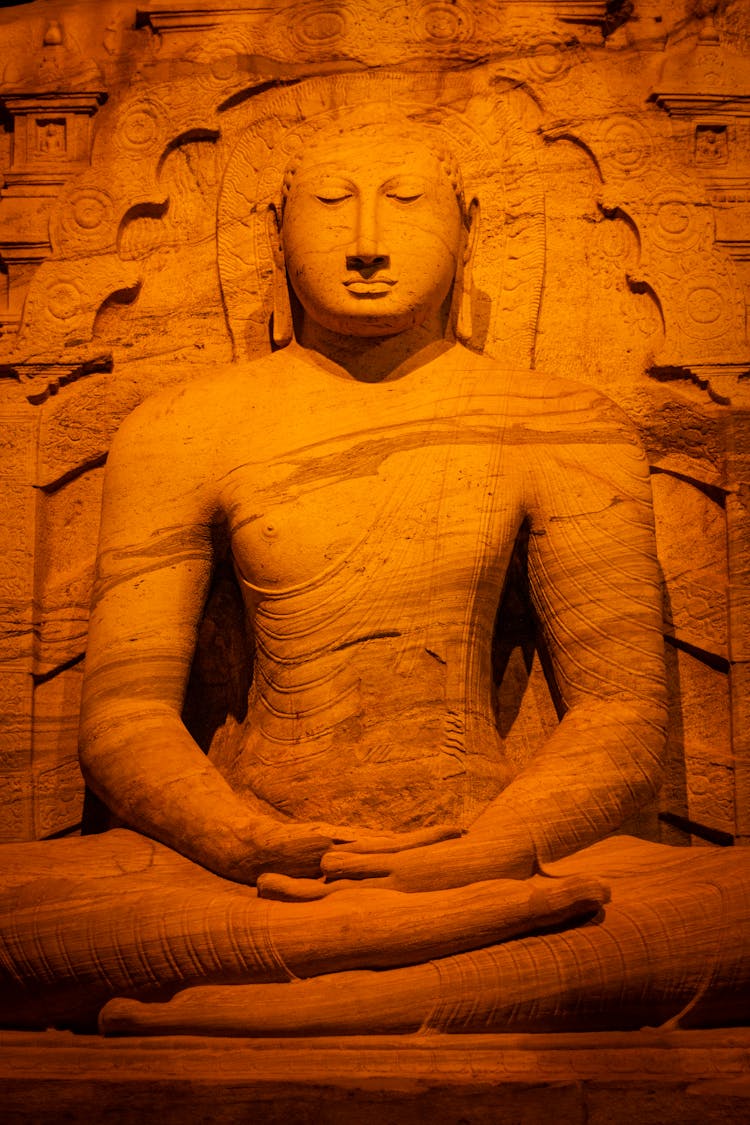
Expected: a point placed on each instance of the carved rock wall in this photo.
(609, 145)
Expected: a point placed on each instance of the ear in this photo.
(464, 326)
(281, 323)
(472, 235)
(273, 232)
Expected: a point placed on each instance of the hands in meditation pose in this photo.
(368, 482)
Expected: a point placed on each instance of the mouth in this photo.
(370, 287)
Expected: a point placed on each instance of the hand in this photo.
(430, 867)
(295, 850)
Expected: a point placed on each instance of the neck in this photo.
(375, 359)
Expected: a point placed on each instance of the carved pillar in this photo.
(51, 144)
(18, 508)
(705, 91)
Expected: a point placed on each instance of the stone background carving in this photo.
(617, 139)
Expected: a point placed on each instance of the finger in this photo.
(399, 841)
(337, 833)
(296, 852)
(349, 865)
(281, 888)
(357, 885)
(559, 900)
(435, 835)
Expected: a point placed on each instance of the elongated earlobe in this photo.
(281, 321)
(282, 329)
(464, 326)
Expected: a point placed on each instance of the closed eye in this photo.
(330, 200)
(404, 198)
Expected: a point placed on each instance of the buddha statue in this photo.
(368, 482)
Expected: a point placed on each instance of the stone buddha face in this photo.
(373, 230)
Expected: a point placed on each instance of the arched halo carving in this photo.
(498, 161)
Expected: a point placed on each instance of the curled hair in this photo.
(442, 154)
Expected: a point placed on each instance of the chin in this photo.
(372, 326)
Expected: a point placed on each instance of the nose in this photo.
(367, 263)
(368, 252)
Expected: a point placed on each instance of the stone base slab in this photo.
(686, 1077)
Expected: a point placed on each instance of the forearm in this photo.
(147, 769)
(595, 586)
(600, 766)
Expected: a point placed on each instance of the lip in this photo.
(369, 285)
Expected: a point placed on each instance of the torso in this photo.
(371, 533)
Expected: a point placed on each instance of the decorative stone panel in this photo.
(613, 165)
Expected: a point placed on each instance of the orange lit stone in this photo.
(375, 661)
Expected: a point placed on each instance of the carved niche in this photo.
(614, 173)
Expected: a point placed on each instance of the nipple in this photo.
(269, 530)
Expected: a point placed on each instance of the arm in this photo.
(153, 570)
(595, 586)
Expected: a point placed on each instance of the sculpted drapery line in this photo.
(372, 477)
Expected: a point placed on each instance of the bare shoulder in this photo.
(538, 405)
(572, 444)
(181, 421)
(170, 453)
(578, 411)
(579, 448)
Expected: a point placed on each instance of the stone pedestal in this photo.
(690, 1077)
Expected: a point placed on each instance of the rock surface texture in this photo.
(423, 546)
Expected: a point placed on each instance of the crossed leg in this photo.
(84, 920)
(673, 946)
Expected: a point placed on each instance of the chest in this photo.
(396, 499)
